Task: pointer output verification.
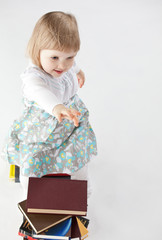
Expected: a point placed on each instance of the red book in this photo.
(57, 196)
(57, 175)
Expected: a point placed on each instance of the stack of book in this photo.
(55, 208)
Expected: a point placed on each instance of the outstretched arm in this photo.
(60, 112)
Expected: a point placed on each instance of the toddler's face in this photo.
(55, 62)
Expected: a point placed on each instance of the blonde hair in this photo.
(54, 30)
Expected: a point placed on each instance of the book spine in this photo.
(26, 237)
(17, 174)
(12, 173)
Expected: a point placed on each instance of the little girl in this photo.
(53, 135)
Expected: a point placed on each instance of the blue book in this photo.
(57, 232)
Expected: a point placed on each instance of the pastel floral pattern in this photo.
(67, 125)
(81, 138)
(46, 159)
(35, 149)
(40, 145)
(25, 149)
(92, 146)
(51, 137)
(17, 126)
(80, 153)
(17, 147)
(24, 123)
(37, 166)
(62, 155)
(70, 161)
(13, 158)
(31, 161)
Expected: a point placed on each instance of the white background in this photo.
(121, 55)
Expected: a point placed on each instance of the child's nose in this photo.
(62, 65)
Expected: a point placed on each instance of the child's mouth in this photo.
(58, 72)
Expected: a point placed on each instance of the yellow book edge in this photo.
(54, 211)
(12, 172)
(83, 229)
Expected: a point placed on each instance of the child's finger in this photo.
(73, 118)
(67, 117)
(81, 84)
(75, 112)
(76, 121)
(67, 113)
(59, 118)
(70, 114)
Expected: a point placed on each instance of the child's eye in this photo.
(70, 57)
(54, 58)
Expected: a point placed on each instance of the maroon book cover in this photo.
(57, 196)
(75, 232)
(41, 222)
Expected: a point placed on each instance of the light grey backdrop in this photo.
(121, 55)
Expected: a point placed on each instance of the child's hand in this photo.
(60, 112)
(81, 78)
